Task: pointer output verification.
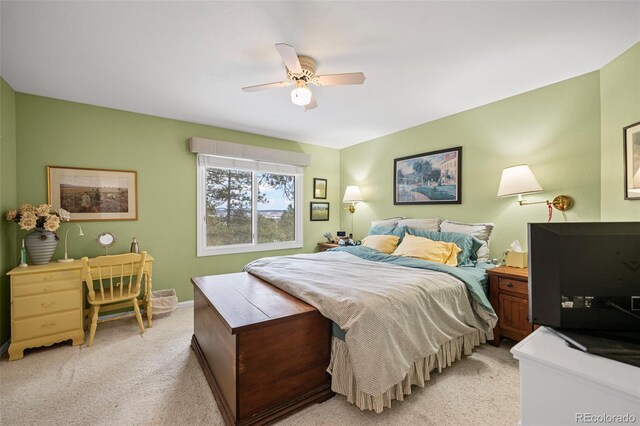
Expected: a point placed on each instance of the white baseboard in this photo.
(185, 304)
(5, 346)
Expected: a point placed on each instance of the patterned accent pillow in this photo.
(481, 231)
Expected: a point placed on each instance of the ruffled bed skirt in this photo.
(343, 381)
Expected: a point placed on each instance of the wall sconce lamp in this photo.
(66, 236)
(519, 180)
(352, 195)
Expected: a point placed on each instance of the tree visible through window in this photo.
(234, 197)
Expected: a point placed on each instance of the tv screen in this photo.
(585, 276)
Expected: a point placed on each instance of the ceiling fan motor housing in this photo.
(308, 70)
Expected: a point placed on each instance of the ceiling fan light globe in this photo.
(301, 96)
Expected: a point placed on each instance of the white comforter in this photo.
(392, 315)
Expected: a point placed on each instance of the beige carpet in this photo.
(155, 379)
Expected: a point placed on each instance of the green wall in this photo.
(570, 133)
(8, 253)
(620, 107)
(555, 129)
(55, 132)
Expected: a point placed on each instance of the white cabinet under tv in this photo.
(560, 385)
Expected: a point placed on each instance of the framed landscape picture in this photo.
(429, 178)
(632, 162)
(320, 188)
(93, 194)
(319, 211)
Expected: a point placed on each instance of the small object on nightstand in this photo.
(516, 259)
(134, 246)
(509, 296)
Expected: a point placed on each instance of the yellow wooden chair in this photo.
(119, 277)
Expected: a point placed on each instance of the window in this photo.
(247, 206)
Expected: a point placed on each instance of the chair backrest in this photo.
(118, 275)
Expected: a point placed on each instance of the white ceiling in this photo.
(189, 60)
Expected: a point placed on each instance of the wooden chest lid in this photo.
(244, 302)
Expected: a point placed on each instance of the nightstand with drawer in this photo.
(509, 296)
(326, 246)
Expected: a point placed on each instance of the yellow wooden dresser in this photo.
(47, 305)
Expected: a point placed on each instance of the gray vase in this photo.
(40, 245)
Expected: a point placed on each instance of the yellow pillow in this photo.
(426, 249)
(384, 243)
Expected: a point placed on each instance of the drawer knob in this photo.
(47, 304)
(509, 284)
(48, 324)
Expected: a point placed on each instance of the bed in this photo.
(389, 320)
(394, 319)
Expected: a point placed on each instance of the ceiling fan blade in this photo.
(289, 57)
(267, 86)
(312, 104)
(339, 79)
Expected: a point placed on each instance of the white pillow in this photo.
(386, 222)
(429, 224)
(481, 231)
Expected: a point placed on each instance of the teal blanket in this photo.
(472, 281)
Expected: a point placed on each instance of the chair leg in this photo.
(138, 316)
(95, 309)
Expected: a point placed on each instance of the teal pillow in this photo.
(398, 231)
(467, 243)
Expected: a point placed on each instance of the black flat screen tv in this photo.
(585, 276)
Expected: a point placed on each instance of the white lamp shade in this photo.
(518, 180)
(352, 194)
(301, 96)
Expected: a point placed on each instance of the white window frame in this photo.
(206, 161)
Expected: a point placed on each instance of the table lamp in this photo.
(66, 236)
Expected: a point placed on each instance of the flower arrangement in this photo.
(41, 217)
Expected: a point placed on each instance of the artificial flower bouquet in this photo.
(38, 217)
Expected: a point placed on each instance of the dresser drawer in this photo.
(20, 288)
(45, 277)
(516, 286)
(45, 304)
(30, 328)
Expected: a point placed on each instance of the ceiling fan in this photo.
(301, 70)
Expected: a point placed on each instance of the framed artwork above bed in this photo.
(632, 162)
(429, 178)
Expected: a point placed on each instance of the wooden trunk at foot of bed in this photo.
(264, 352)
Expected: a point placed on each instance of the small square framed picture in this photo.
(320, 188)
(319, 211)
